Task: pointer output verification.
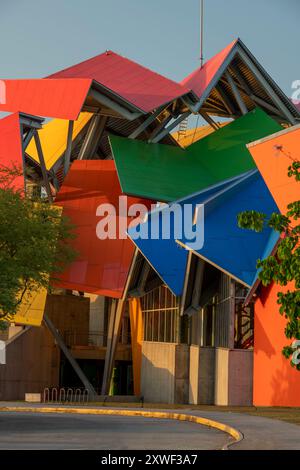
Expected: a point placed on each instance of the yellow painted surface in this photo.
(32, 308)
(192, 135)
(53, 138)
(136, 326)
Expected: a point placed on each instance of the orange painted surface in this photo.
(59, 98)
(11, 148)
(102, 265)
(272, 156)
(275, 382)
(136, 327)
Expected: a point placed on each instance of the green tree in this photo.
(283, 267)
(34, 244)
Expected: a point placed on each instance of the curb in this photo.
(234, 433)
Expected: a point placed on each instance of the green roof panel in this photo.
(166, 173)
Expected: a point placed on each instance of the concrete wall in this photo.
(234, 377)
(177, 373)
(165, 372)
(202, 375)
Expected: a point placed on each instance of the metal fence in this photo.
(65, 395)
(73, 338)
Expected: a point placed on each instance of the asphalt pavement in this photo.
(67, 431)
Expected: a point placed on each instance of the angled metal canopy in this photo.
(61, 99)
(166, 173)
(123, 79)
(102, 265)
(233, 81)
(231, 249)
(160, 230)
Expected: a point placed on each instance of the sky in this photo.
(39, 37)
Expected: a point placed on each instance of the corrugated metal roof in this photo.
(203, 80)
(134, 83)
(200, 79)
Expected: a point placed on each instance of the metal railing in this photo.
(74, 338)
(65, 395)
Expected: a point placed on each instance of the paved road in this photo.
(56, 431)
(259, 433)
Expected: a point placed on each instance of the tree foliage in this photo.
(33, 245)
(283, 267)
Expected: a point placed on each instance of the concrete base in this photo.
(202, 375)
(33, 397)
(234, 377)
(165, 372)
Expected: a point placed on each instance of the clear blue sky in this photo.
(39, 37)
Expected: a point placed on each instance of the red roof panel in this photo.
(61, 99)
(200, 79)
(102, 265)
(136, 84)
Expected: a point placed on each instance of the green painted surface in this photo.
(166, 173)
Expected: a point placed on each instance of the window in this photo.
(161, 317)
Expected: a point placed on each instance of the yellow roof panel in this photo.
(31, 310)
(189, 136)
(53, 138)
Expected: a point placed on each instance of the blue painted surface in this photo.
(165, 255)
(232, 249)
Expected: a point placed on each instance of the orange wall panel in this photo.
(273, 155)
(275, 382)
(11, 148)
(102, 266)
(46, 97)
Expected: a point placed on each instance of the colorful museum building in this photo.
(181, 318)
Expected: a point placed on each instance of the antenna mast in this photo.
(201, 31)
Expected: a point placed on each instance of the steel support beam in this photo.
(58, 338)
(226, 101)
(209, 120)
(146, 123)
(28, 138)
(43, 166)
(114, 325)
(268, 89)
(247, 89)
(23, 158)
(159, 127)
(100, 127)
(236, 93)
(102, 99)
(116, 314)
(89, 136)
(168, 129)
(197, 288)
(68, 151)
